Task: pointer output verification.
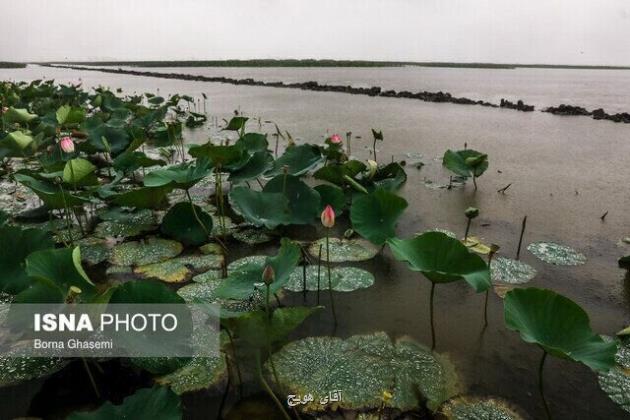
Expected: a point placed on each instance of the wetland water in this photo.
(565, 173)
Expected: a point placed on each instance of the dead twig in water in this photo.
(604, 215)
(520, 239)
(504, 189)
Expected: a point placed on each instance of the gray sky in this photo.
(514, 31)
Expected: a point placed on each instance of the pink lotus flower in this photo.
(328, 217)
(67, 145)
(4, 110)
(335, 139)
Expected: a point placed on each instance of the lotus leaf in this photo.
(343, 250)
(442, 259)
(465, 162)
(509, 271)
(558, 325)
(304, 202)
(144, 252)
(374, 216)
(182, 176)
(616, 382)
(297, 159)
(556, 254)
(474, 408)
(183, 223)
(343, 279)
(54, 197)
(259, 208)
(14, 370)
(363, 367)
(180, 269)
(15, 245)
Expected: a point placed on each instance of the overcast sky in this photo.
(508, 31)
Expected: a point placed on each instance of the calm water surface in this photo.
(565, 173)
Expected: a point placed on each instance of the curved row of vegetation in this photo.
(101, 184)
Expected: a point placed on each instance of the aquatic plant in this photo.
(374, 215)
(441, 259)
(466, 163)
(559, 327)
(328, 221)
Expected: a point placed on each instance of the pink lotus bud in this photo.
(335, 139)
(268, 275)
(328, 217)
(66, 144)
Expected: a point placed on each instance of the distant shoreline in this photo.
(436, 97)
(328, 63)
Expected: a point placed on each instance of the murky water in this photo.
(565, 173)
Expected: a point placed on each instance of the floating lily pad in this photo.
(616, 382)
(211, 249)
(242, 262)
(447, 232)
(207, 276)
(252, 236)
(509, 271)
(200, 373)
(94, 250)
(474, 408)
(556, 254)
(363, 367)
(145, 252)
(17, 369)
(178, 270)
(343, 279)
(124, 224)
(206, 292)
(342, 250)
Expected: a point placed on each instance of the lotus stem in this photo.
(485, 309)
(267, 305)
(485, 305)
(431, 316)
(236, 364)
(303, 275)
(467, 228)
(268, 389)
(520, 239)
(374, 149)
(319, 270)
(92, 381)
(67, 214)
(540, 384)
(475, 182)
(226, 392)
(348, 138)
(194, 210)
(219, 198)
(330, 290)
